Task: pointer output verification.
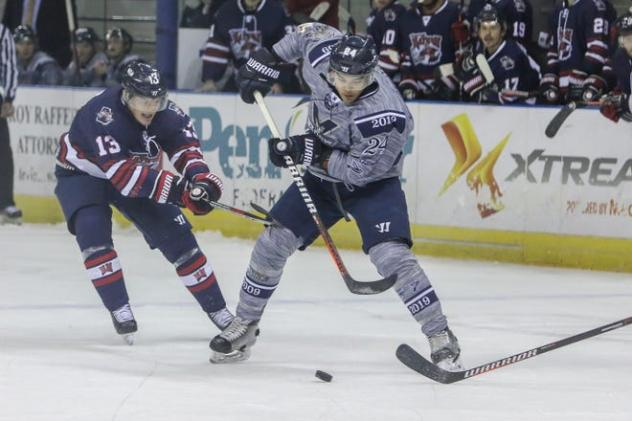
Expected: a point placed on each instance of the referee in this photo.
(8, 85)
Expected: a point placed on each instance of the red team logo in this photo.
(425, 49)
(243, 42)
(200, 275)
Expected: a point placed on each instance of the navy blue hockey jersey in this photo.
(424, 42)
(622, 68)
(514, 70)
(236, 33)
(580, 41)
(105, 141)
(382, 28)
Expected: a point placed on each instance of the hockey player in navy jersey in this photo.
(240, 28)
(357, 127)
(112, 156)
(518, 15)
(616, 104)
(578, 51)
(515, 72)
(382, 27)
(430, 33)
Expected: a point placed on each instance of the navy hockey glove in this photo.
(304, 149)
(202, 188)
(258, 74)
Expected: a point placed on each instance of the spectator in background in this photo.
(118, 48)
(199, 13)
(35, 67)
(324, 11)
(8, 85)
(515, 73)
(49, 21)
(241, 28)
(93, 64)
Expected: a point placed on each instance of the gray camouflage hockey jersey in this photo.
(369, 135)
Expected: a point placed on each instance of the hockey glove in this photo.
(258, 74)
(202, 188)
(409, 89)
(304, 149)
(549, 91)
(593, 88)
(615, 106)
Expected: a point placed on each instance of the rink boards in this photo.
(482, 182)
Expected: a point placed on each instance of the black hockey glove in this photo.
(549, 91)
(260, 72)
(202, 188)
(593, 88)
(304, 149)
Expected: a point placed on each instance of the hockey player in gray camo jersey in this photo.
(353, 151)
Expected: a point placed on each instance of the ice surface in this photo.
(61, 360)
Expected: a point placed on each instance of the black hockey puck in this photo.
(324, 376)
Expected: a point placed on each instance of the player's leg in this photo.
(8, 212)
(167, 229)
(89, 218)
(272, 249)
(382, 217)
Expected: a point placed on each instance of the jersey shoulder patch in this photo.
(321, 51)
(381, 122)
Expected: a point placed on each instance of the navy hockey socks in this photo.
(104, 270)
(198, 276)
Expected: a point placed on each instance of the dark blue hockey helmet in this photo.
(85, 34)
(143, 87)
(354, 55)
(489, 13)
(24, 33)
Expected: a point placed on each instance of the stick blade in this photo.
(369, 288)
(413, 360)
(556, 123)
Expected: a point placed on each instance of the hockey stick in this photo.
(251, 216)
(318, 11)
(558, 119)
(411, 358)
(483, 66)
(361, 288)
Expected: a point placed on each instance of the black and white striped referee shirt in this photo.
(8, 65)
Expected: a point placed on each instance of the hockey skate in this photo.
(124, 323)
(11, 215)
(445, 351)
(221, 318)
(234, 343)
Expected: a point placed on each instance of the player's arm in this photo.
(549, 89)
(381, 139)
(216, 57)
(596, 35)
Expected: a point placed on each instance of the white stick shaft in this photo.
(483, 66)
(266, 115)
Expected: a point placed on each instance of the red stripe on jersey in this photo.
(123, 174)
(96, 261)
(110, 279)
(204, 285)
(192, 267)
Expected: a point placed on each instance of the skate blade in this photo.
(5, 220)
(231, 357)
(128, 338)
